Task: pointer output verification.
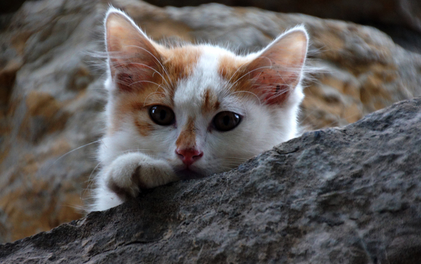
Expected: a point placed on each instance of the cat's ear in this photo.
(277, 70)
(132, 56)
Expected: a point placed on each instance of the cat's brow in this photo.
(210, 101)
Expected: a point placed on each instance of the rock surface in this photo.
(51, 91)
(401, 19)
(403, 13)
(349, 195)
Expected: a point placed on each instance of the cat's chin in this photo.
(187, 174)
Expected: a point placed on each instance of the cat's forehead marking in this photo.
(191, 92)
(210, 101)
(187, 137)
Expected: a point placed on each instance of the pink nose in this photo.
(189, 156)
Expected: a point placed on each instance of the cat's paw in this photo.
(131, 172)
(121, 174)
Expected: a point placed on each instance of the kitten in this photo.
(193, 110)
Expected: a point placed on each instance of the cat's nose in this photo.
(189, 156)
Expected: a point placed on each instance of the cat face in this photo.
(201, 108)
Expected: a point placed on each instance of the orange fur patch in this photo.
(210, 101)
(232, 68)
(187, 137)
(134, 105)
(235, 70)
(179, 61)
(144, 127)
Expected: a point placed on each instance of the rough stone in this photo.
(51, 91)
(401, 13)
(339, 195)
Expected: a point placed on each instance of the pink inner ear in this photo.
(133, 58)
(276, 72)
(273, 85)
(131, 76)
(124, 81)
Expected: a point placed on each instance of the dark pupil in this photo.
(226, 120)
(162, 114)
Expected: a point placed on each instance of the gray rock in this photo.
(349, 195)
(403, 13)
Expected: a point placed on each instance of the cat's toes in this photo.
(122, 175)
(131, 172)
(123, 192)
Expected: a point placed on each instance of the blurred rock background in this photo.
(51, 94)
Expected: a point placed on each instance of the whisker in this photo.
(153, 56)
(62, 156)
(126, 151)
(245, 74)
(239, 68)
(258, 99)
(92, 172)
(259, 68)
(147, 97)
(154, 70)
(144, 81)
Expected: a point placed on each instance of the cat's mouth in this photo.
(187, 173)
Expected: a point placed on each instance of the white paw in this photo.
(131, 172)
(121, 174)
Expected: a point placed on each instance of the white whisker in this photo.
(90, 181)
(244, 75)
(144, 81)
(147, 97)
(239, 68)
(154, 70)
(62, 156)
(257, 97)
(159, 62)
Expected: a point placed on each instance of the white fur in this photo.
(262, 127)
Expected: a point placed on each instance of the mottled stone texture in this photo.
(51, 93)
(389, 12)
(349, 195)
(401, 19)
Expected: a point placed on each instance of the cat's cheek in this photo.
(143, 126)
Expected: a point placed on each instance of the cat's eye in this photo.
(162, 115)
(226, 121)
